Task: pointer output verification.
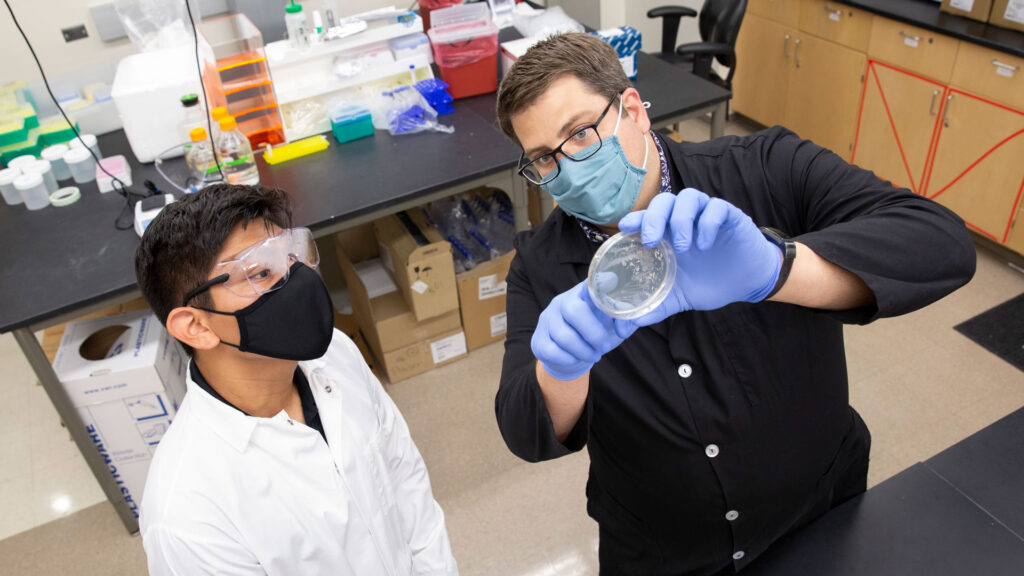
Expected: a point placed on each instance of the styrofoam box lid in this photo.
(409, 42)
(462, 31)
(137, 347)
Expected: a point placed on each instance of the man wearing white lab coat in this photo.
(287, 457)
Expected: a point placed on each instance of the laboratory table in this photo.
(62, 263)
(960, 513)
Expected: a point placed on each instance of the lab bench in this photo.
(62, 263)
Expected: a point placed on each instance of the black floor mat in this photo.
(1000, 330)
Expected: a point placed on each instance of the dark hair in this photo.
(586, 57)
(181, 244)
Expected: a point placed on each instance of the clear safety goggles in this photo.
(264, 266)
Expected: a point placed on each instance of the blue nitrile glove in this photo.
(721, 255)
(572, 334)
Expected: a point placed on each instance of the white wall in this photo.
(650, 29)
(42, 21)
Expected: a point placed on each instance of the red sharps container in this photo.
(465, 45)
(427, 6)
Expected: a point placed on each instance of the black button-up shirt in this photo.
(714, 433)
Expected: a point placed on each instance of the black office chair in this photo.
(719, 22)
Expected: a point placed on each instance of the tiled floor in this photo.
(920, 386)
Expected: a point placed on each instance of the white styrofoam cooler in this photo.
(128, 398)
(147, 92)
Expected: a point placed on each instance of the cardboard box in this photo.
(482, 301)
(125, 375)
(420, 260)
(974, 9)
(424, 355)
(403, 346)
(626, 40)
(1008, 14)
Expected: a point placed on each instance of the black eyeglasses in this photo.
(583, 143)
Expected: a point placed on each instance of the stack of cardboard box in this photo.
(1002, 13)
(434, 316)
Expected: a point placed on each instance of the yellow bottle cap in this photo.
(228, 123)
(218, 113)
(197, 134)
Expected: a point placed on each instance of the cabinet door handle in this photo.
(999, 64)
(945, 112)
(910, 36)
(785, 46)
(931, 109)
(796, 52)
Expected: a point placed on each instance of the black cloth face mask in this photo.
(293, 322)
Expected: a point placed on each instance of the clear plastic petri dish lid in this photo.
(627, 279)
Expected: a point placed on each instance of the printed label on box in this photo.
(489, 287)
(419, 287)
(499, 324)
(152, 431)
(1015, 11)
(447, 348)
(146, 407)
(965, 5)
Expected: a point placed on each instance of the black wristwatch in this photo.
(788, 248)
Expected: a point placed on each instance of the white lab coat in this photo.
(233, 494)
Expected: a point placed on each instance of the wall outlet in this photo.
(74, 33)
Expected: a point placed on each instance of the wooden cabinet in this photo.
(837, 23)
(899, 116)
(824, 88)
(914, 49)
(990, 73)
(1015, 240)
(807, 84)
(783, 11)
(764, 56)
(977, 169)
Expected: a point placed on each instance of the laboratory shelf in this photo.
(281, 54)
(324, 84)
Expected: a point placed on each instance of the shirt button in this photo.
(291, 422)
(732, 515)
(685, 370)
(738, 555)
(711, 450)
(328, 389)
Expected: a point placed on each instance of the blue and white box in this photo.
(626, 41)
(125, 376)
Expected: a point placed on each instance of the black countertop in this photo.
(60, 260)
(959, 513)
(925, 14)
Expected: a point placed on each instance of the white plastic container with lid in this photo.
(110, 168)
(33, 190)
(21, 161)
(55, 156)
(44, 169)
(11, 195)
(412, 45)
(81, 164)
(89, 141)
(297, 25)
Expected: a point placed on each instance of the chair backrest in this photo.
(719, 21)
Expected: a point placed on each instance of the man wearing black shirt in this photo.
(720, 421)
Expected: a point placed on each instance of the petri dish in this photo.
(627, 279)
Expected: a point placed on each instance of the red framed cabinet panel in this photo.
(978, 163)
(897, 125)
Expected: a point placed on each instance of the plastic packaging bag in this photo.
(157, 24)
(554, 20)
(304, 116)
(403, 110)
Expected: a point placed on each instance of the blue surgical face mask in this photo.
(603, 188)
